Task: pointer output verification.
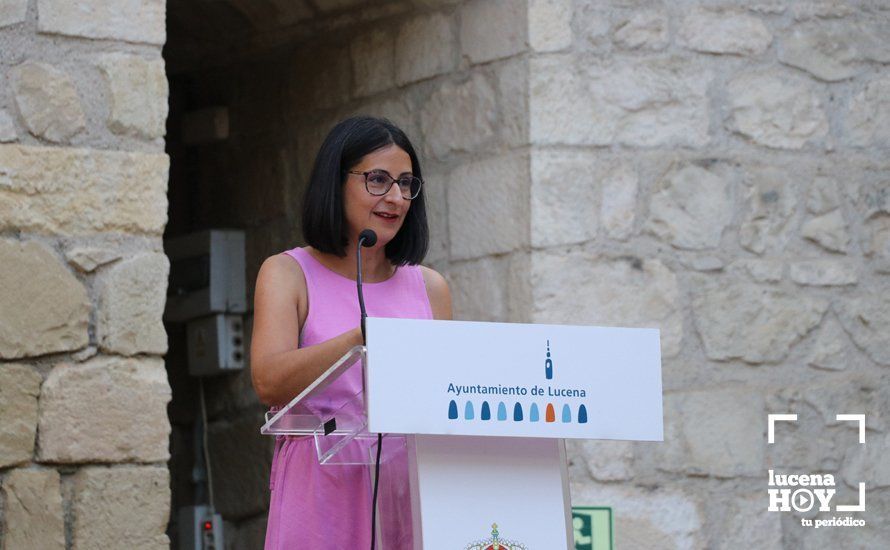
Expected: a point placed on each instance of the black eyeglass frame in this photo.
(389, 185)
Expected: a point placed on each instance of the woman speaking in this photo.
(306, 316)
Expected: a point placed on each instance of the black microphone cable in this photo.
(368, 238)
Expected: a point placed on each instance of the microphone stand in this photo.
(368, 238)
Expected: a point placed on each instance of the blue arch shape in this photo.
(517, 412)
(533, 414)
(582, 415)
(485, 414)
(468, 411)
(452, 410)
(502, 411)
(566, 413)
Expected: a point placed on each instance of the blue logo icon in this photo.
(548, 364)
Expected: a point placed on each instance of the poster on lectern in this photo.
(515, 380)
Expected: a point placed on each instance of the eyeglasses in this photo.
(379, 182)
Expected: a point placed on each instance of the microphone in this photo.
(366, 238)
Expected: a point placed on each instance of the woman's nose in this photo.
(394, 194)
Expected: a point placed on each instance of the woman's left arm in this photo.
(437, 290)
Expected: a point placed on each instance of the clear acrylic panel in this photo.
(341, 435)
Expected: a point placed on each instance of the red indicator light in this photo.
(208, 526)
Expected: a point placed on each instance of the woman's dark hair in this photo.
(343, 148)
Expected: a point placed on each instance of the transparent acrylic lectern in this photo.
(341, 437)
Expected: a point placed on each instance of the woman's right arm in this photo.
(280, 370)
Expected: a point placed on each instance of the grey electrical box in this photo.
(206, 275)
(199, 529)
(215, 344)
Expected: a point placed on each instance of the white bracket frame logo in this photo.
(792, 417)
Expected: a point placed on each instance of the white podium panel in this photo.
(510, 379)
(464, 486)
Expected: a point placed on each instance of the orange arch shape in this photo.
(550, 415)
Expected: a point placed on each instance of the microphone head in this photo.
(369, 236)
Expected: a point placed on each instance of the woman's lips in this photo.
(385, 216)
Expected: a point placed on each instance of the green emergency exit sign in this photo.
(593, 528)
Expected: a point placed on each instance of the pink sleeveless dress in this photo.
(315, 507)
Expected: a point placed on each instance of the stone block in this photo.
(834, 50)
(608, 460)
(830, 350)
(867, 320)
(34, 517)
(512, 100)
(876, 238)
(425, 47)
(647, 520)
(564, 198)
(644, 30)
(813, 9)
(823, 272)
(828, 231)
(241, 459)
(867, 121)
(770, 198)
(549, 25)
(19, 389)
(749, 524)
(643, 102)
(7, 127)
(595, 25)
(775, 110)
(331, 86)
(868, 463)
(141, 21)
(435, 186)
(459, 117)
(488, 202)
(51, 306)
(752, 323)
(126, 503)
(823, 196)
(107, 409)
(715, 432)
(619, 201)
(12, 12)
(492, 29)
(704, 263)
(88, 258)
(576, 286)
(690, 207)
(47, 101)
(82, 191)
(724, 32)
(762, 271)
(138, 94)
(491, 288)
(373, 62)
(132, 297)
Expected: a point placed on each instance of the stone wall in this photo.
(715, 169)
(83, 180)
(720, 170)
